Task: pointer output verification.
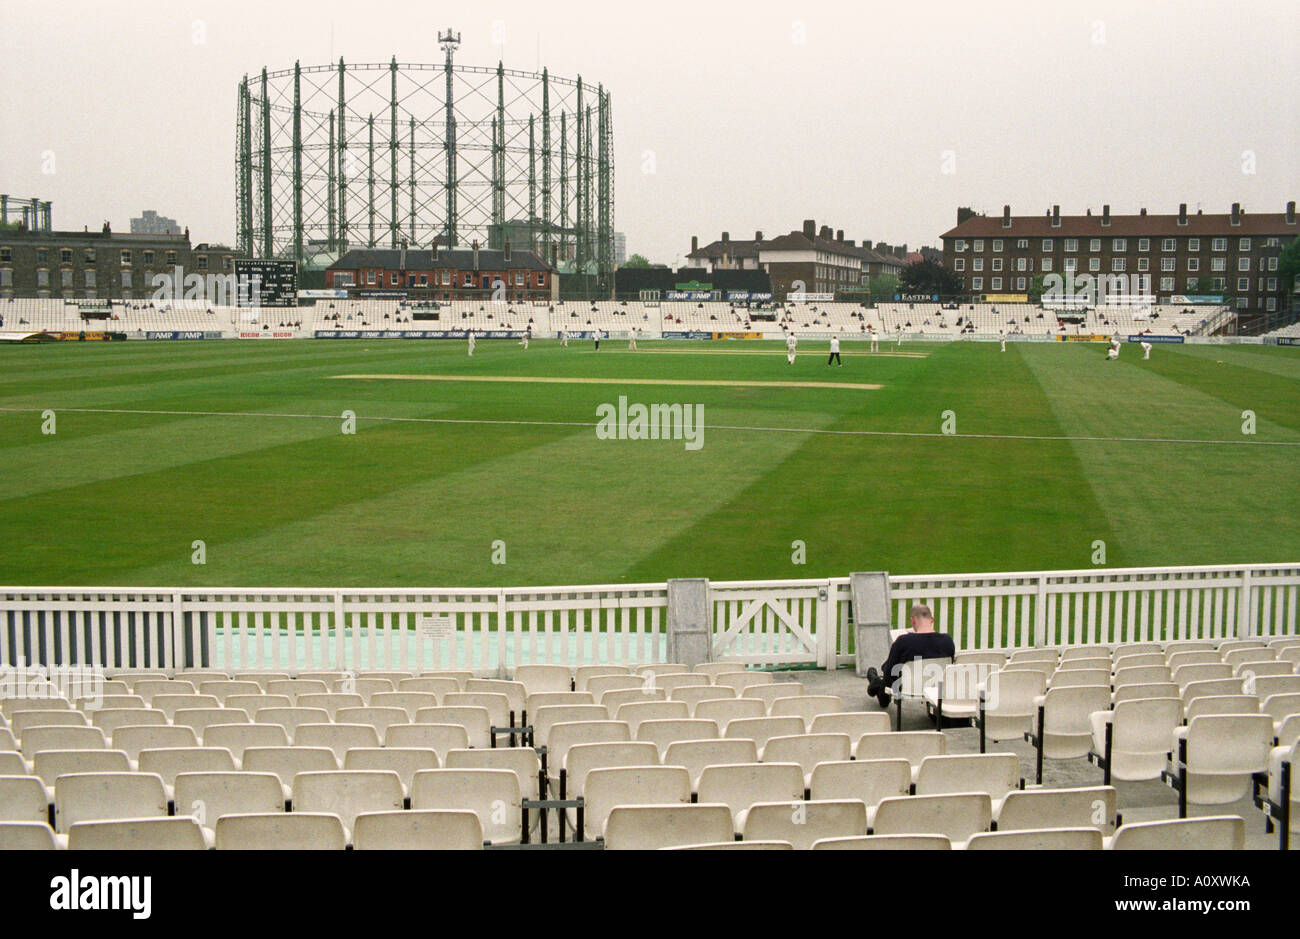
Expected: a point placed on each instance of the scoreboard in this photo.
(266, 283)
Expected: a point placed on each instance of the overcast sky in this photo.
(878, 118)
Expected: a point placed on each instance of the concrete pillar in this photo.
(871, 624)
(690, 621)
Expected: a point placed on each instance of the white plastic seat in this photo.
(807, 750)
(600, 684)
(491, 794)
(991, 658)
(870, 781)
(583, 758)
(169, 763)
(1280, 707)
(544, 678)
(440, 738)
(250, 704)
(297, 831)
(957, 816)
(239, 737)
(365, 687)
(696, 755)
(522, 761)
(377, 717)
(426, 684)
(1267, 686)
(661, 668)
(1007, 709)
(722, 710)
(1063, 727)
(1250, 656)
(1080, 677)
(330, 702)
(1209, 833)
(290, 719)
(1177, 660)
(404, 761)
(1034, 655)
(649, 827)
(169, 704)
(295, 688)
(287, 762)
(694, 694)
(515, 692)
(544, 718)
(804, 823)
(348, 793)
(806, 706)
(1125, 649)
(563, 737)
(911, 745)
(713, 669)
(475, 719)
(1039, 839)
(86, 797)
(222, 689)
(1075, 653)
(853, 723)
(95, 703)
(635, 712)
(672, 681)
(408, 701)
(769, 692)
(613, 700)
(1123, 659)
(1164, 689)
(1141, 674)
(340, 738)
(62, 738)
(425, 830)
(606, 787)
(584, 673)
(996, 774)
(1139, 738)
(1214, 758)
(1254, 670)
(912, 680)
(139, 834)
(1093, 806)
(742, 680)
(1186, 674)
(111, 719)
(662, 733)
(149, 688)
(29, 836)
(461, 676)
(535, 701)
(23, 799)
(762, 729)
(885, 843)
(22, 720)
(207, 796)
(203, 718)
(740, 785)
(262, 678)
(390, 674)
(1222, 704)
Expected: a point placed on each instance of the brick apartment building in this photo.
(99, 265)
(824, 261)
(443, 274)
(1232, 255)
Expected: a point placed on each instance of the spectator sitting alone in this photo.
(921, 643)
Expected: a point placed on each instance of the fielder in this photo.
(875, 341)
(1146, 350)
(596, 336)
(1002, 338)
(564, 338)
(1113, 353)
(471, 343)
(790, 344)
(835, 352)
(631, 341)
(528, 332)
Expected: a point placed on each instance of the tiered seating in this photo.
(660, 756)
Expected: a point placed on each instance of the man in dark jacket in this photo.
(921, 643)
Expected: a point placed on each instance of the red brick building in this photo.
(1233, 255)
(440, 274)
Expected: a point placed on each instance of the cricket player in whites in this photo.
(471, 343)
(564, 337)
(790, 344)
(875, 341)
(1113, 353)
(1002, 339)
(527, 334)
(1146, 350)
(631, 340)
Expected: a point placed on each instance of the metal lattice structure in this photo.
(342, 156)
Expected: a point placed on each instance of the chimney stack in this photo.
(1006, 216)
(839, 235)
(1182, 213)
(1236, 213)
(824, 233)
(1056, 216)
(476, 254)
(726, 237)
(1144, 211)
(810, 228)
(506, 254)
(1105, 215)
(695, 243)
(1290, 212)
(866, 244)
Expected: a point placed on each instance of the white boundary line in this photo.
(739, 427)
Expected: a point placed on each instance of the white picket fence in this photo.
(762, 623)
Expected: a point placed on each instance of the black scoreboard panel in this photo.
(266, 283)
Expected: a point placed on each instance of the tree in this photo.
(1037, 288)
(883, 287)
(636, 261)
(928, 277)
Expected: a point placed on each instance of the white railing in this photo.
(490, 631)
